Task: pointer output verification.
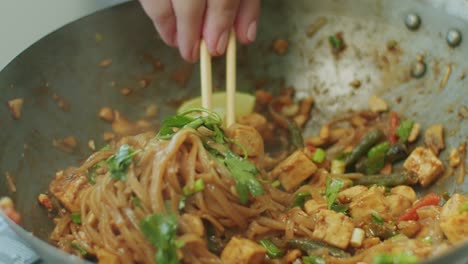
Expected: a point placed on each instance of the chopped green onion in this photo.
(76, 218)
(319, 155)
(333, 187)
(276, 184)
(301, 199)
(273, 251)
(313, 260)
(338, 166)
(428, 239)
(404, 129)
(464, 207)
(182, 201)
(78, 248)
(296, 135)
(395, 259)
(197, 186)
(377, 219)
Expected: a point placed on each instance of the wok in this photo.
(65, 63)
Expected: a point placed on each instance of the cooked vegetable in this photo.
(160, 230)
(135, 201)
(391, 180)
(404, 129)
(273, 251)
(296, 135)
(337, 42)
(396, 152)
(78, 248)
(197, 186)
(411, 214)
(392, 136)
(361, 149)
(434, 138)
(333, 187)
(377, 219)
(301, 199)
(313, 260)
(319, 155)
(395, 259)
(376, 158)
(357, 237)
(464, 208)
(120, 161)
(337, 166)
(310, 246)
(76, 218)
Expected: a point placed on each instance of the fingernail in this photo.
(222, 42)
(252, 31)
(196, 51)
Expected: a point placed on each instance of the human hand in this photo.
(183, 23)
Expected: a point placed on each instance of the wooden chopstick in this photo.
(205, 76)
(231, 80)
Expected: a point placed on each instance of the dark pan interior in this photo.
(66, 63)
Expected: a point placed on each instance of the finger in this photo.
(219, 19)
(247, 20)
(163, 17)
(189, 15)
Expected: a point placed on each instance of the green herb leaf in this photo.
(404, 129)
(169, 123)
(313, 260)
(333, 187)
(340, 208)
(301, 199)
(401, 258)
(76, 218)
(92, 174)
(182, 203)
(160, 230)
(273, 251)
(244, 174)
(377, 219)
(464, 207)
(120, 161)
(336, 42)
(78, 248)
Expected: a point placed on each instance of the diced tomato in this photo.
(411, 214)
(393, 127)
(311, 148)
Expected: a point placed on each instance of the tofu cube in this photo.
(294, 170)
(454, 223)
(370, 202)
(348, 194)
(312, 206)
(248, 137)
(333, 228)
(425, 165)
(242, 251)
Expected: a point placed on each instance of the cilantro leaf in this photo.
(333, 187)
(244, 174)
(160, 230)
(169, 123)
(120, 161)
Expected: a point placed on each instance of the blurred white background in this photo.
(23, 22)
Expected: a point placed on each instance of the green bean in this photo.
(361, 149)
(396, 153)
(311, 245)
(390, 180)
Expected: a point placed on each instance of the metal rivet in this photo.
(412, 21)
(453, 37)
(418, 69)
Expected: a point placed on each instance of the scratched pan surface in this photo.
(65, 63)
